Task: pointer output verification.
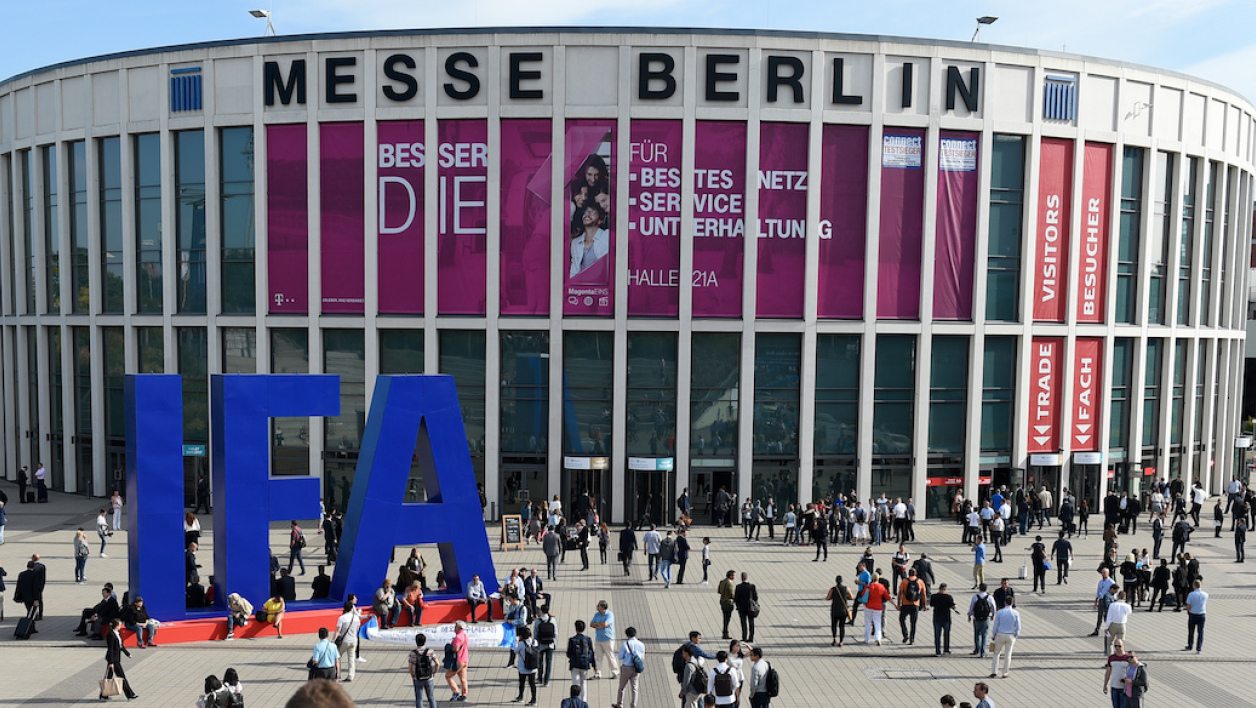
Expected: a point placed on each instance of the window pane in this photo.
(237, 216)
(777, 360)
(147, 223)
(524, 392)
(713, 394)
(588, 362)
(462, 356)
(401, 351)
(893, 392)
(651, 392)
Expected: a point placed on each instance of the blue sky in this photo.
(1211, 39)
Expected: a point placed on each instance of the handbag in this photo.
(753, 610)
(110, 685)
(638, 664)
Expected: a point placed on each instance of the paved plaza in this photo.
(1055, 662)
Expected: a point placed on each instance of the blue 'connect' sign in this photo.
(406, 411)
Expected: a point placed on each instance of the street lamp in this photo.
(259, 14)
(983, 20)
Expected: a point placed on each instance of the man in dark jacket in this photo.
(28, 588)
(924, 571)
(627, 545)
(743, 597)
(104, 612)
(682, 554)
(22, 481)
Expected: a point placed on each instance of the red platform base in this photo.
(297, 622)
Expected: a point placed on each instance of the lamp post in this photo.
(983, 20)
(259, 14)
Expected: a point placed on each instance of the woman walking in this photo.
(113, 659)
(81, 551)
(839, 599)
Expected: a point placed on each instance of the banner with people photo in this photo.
(588, 279)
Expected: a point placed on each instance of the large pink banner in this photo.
(1096, 197)
(462, 219)
(527, 153)
(401, 161)
(589, 275)
(1046, 357)
(287, 225)
(843, 221)
(782, 220)
(902, 224)
(1087, 395)
(342, 216)
(719, 213)
(956, 237)
(1055, 197)
(654, 153)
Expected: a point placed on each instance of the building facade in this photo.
(929, 266)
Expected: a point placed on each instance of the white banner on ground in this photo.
(481, 636)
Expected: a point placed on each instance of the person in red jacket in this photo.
(876, 595)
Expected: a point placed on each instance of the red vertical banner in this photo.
(462, 217)
(1087, 375)
(719, 214)
(342, 217)
(1055, 194)
(287, 221)
(654, 186)
(843, 221)
(955, 238)
(902, 224)
(1096, 200)
(782, 238)
(1046, 357)
(401, 162)
(526, 192)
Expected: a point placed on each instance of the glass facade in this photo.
(151, 347)
(80, 281)
(713, 395)
(239, 350)
(235, 169)
(998, 394)
(147, 171)
(1186, 247)
(1211, 195)
(1122, 382)
(1128, 234)
(1161, 228)
(948, 393)
(1176, 422)
(27, 178)
(1007, 218)
(56, 466)
(588, 360)
(651, 393)
(115, 392)
(52, 232)
(894, 394)
(837, 394)
(777, 363)
(189, 185)
(109, 164)
(344, 355)
(290, 437)
(525, 393)
(401, 351)
(1153, 363)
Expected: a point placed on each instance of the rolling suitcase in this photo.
(26, 626)
(1023, 572)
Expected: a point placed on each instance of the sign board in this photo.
(651, 464)
(944, 481)
(1244, 441)
(586, 463)
(1088, 458)
(1147, 472)
(1045, 459)
(983, 480)
(193, 450)
(512, 532)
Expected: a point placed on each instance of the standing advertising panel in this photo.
(719, 218)
(287, 224)
(342, 217)
(527, 156)
(1096, 197)
(902, 224)
(956, 236)
(589, 272)
(782, 219)
(401, 161)
(1087, 398)
(1046, 356)
(462, 217)
(1055, 194)
(843, 221)
(654, 186)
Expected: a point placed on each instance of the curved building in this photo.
(786, 264)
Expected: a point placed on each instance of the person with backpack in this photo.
(911, 600)
(296, 542)
(517, 615)
(580, 658)
(980, 610)
(693, 678)
(666, 556)
(422, 663)
(723, 682)
(546, 633)
(527, 661)
(765, 683)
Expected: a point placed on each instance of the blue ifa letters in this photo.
(410, 416)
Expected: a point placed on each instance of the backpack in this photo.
(982, 610)
(546, 632)
(913, 591)
(772, 682)
(724, 683)
(531, 656)
(860, 516)
(678, 661)
(450, 662)
(424, 664)
(697, 684)
(584, 653)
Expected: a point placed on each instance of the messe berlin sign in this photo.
(411, 417)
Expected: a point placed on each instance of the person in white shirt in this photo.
(759, 697)
(900, 521)
(1114, 623)
(116, 502)
(1006, 630)
(347, 635)
(652, 540)
(102, 529)
(629, 651)
(723, 681)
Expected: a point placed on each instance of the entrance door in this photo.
(83, 463)
(650, 495)
(595, 482)
(1046, 476)
(115, 463)
(705, 485)
(523, 484)
(1089, 479)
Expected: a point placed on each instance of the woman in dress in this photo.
(839, 599)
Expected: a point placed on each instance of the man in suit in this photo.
(28, 590)
(627, 545)
(41, 579)
(745, 594)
